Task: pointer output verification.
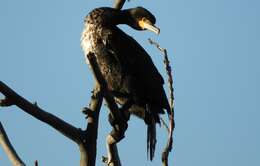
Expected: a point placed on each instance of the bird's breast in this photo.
(88, 40)
(92, 41)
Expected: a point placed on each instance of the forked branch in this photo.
(86, 139)
(32, 109)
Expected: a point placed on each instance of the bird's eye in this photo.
(146, 24)
(142, 21)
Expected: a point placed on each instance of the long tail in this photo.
(151, 138)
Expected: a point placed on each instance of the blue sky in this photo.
(214, 50)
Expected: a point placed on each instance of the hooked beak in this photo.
(146, 24)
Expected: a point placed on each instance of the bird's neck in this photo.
(108, 17)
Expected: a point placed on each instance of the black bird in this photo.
(127, 68)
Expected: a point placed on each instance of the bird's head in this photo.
(140, 18)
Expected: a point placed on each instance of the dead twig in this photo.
(168, 69)
(165, 124)
(9, 149)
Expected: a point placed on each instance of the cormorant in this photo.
(127, 68)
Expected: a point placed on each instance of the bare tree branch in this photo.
(119, 129)
(112, 151)
(86, 139)
(164, 124)
(113, 157)
(167, 65)
(9, 149)
(6, 102)
(118, 4)
(32, 109)
(88, 146)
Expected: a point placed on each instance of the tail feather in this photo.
(151, 118)
(151, 138)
